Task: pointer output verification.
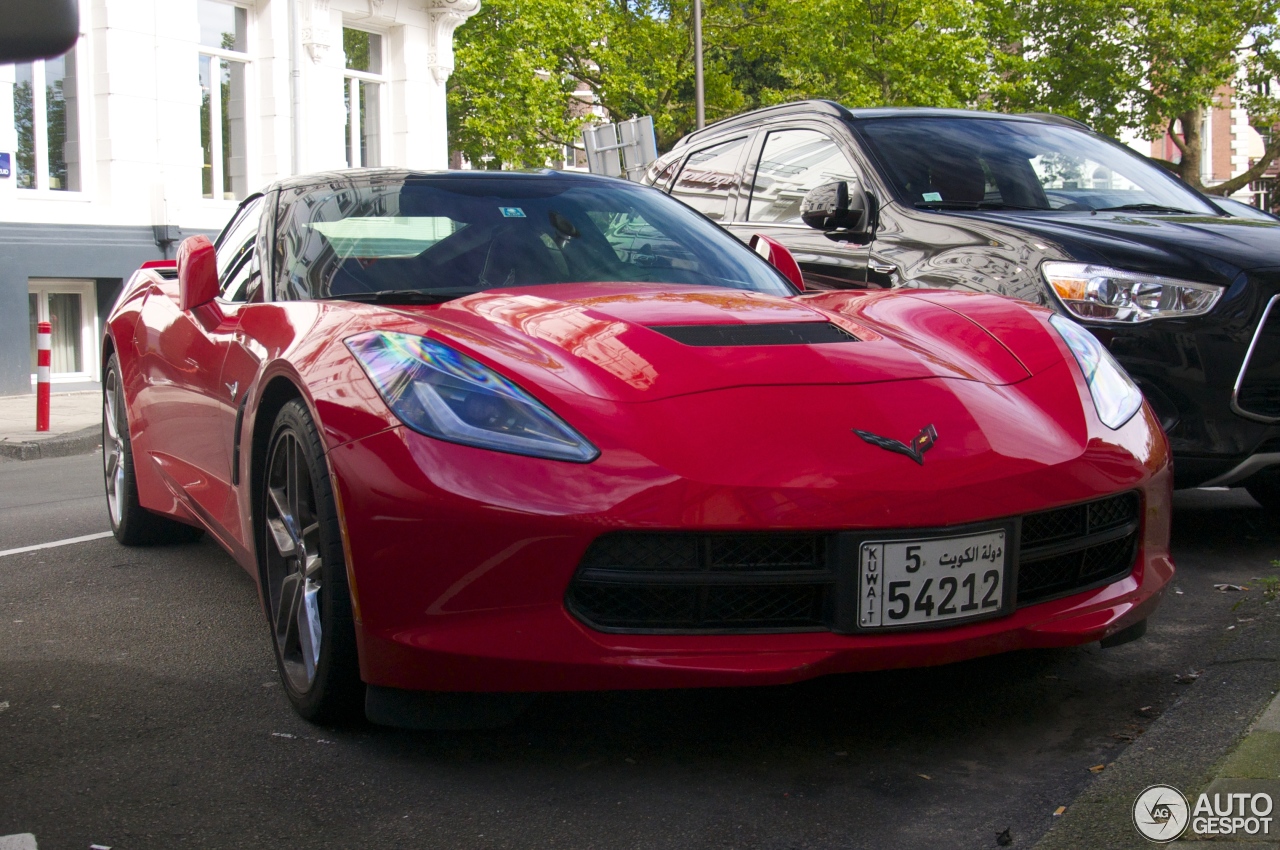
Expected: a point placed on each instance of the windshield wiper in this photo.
(1152, 208)
(403, 296)
(972, 205)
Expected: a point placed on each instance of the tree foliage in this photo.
(526, 69)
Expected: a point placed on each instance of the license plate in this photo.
(931, 580)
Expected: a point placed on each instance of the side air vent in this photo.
(775, 333)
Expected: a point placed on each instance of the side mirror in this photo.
(197, 272)
(779, 257)
(836, 207)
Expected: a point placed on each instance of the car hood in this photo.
(1210, 249)
(613, 340)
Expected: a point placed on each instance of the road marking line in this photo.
(67, 542)
(22, 841)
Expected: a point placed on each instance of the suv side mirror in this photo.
(197, 272)
(779, 257)
(839, 209)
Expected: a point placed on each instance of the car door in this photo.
(791, 160)
(183, 366)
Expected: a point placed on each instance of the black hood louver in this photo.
(774, 333)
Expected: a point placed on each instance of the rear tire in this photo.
(1265, 489)
(304, 574)
(132, 524)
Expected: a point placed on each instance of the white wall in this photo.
(139, 100)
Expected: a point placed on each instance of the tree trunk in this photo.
(1191, 147)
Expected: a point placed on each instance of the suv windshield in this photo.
(982, 163)
(427, 238)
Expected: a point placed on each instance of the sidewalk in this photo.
(1222, 735)
(75, 425)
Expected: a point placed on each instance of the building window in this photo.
(46, 116)
(223, 67)
(71, 307)
(363, 95)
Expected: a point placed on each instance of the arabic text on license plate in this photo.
(931, 580)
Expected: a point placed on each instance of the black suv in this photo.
(1036, 207)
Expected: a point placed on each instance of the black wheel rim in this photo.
(293, 561)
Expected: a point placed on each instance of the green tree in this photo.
(1153, 66)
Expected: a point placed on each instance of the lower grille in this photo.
(1068, 549)
(705, 582)
(714, 582)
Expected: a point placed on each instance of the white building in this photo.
(167, 113)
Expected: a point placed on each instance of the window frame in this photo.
(40, 130)
(747, 141)
(749, 180)
(218, 57)
(87, 290)
(351, 80)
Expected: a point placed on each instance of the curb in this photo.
(1191, 745)
(80, 442)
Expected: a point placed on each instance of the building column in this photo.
(421, 61)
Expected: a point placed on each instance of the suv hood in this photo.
(1209, 249)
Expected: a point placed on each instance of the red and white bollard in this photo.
(44, 348)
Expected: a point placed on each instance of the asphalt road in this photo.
(139, 708)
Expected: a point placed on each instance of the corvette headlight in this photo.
(1115, 396)
(445, 394)
(1104, 294)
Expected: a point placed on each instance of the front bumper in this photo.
(459, 560)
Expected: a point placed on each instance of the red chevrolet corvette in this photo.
(478, 435)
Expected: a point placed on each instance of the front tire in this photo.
(132, 524)
(304, 574)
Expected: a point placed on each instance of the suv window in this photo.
(708, 176)
(791, 163)
(988, 163)
(235, 249)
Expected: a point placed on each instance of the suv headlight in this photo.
(1104, 294)
(1115, 396)
(445, 394)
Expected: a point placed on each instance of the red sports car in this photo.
(478, 435)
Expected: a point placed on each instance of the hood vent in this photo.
(774, 333)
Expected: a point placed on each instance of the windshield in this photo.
(983, 163)
(447, 236)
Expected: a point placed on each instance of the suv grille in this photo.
(758, 582)
(1258, 388)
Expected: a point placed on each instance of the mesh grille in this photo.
(773, 605)
(635, 580)
(626, 605)
(1049, 526)
(1057, 572)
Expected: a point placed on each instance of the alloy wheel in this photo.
(113, 447)
(293, 561)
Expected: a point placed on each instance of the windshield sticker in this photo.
(511, 212)
(931, 196)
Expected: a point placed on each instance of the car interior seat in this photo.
(518, 256)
